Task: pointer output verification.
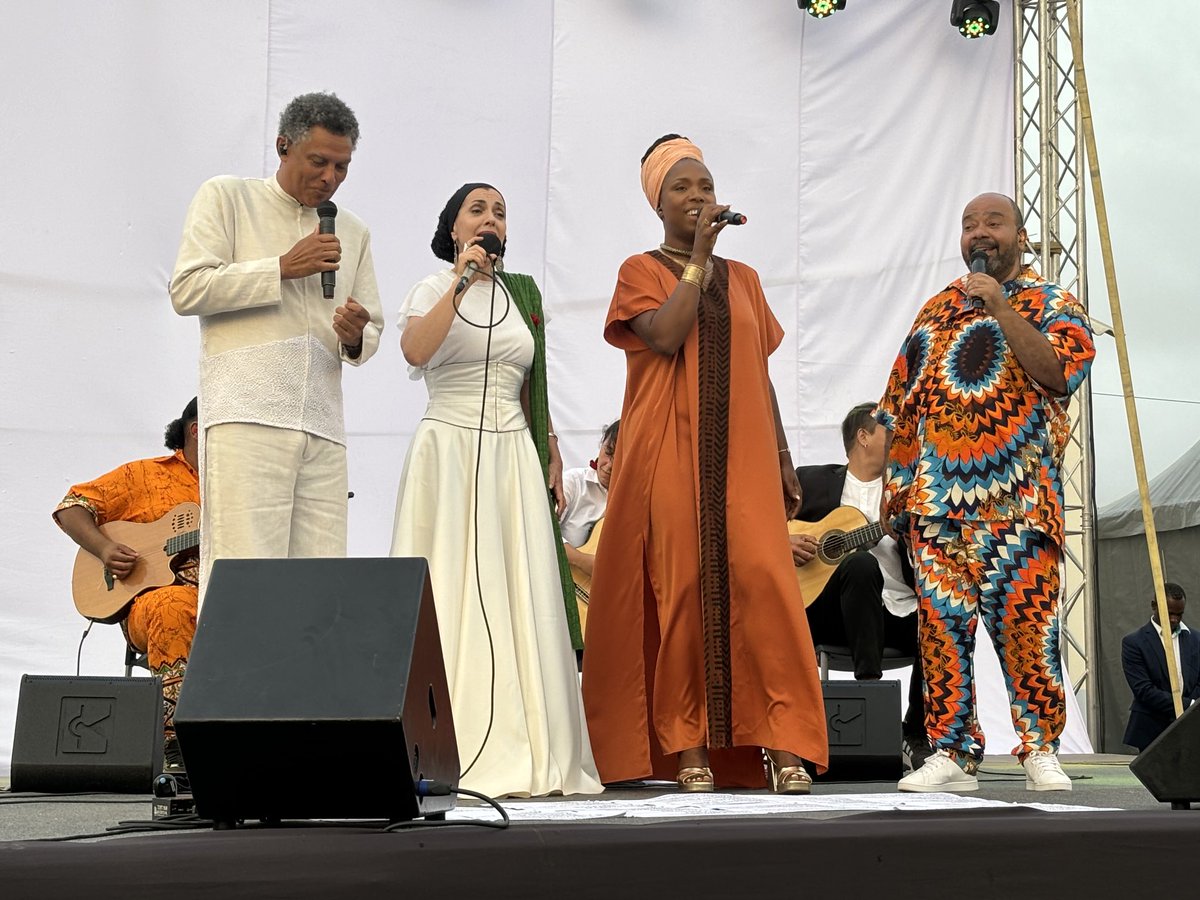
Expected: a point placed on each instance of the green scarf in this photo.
(528, 299)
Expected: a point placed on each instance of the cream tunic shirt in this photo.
(268, 351)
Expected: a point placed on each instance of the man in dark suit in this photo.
(868, 602)
(1145, 666)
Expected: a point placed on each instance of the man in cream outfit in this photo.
(273, 455)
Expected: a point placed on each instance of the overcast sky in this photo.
(1143, 74)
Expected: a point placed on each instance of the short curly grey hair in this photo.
(319, 108)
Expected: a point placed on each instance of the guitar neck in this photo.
(185, 540)
(860, 537)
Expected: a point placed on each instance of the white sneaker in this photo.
(1043, 773)
(940, 773)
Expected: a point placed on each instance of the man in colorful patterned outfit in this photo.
(976, 407)
(161, 621)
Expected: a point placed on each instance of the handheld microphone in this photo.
(327, 211)
(492, 247)
(978, 265)
(732, 218)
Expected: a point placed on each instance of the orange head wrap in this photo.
(659, 162)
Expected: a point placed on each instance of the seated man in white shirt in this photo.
(868, 603)
(585, 495)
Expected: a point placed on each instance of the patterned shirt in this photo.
(974, 437)
(141, 491)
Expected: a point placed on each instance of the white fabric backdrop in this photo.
(851, 144)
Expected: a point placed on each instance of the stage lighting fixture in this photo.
(819, 9)
(975, 18)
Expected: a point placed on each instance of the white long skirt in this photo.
(513, 687)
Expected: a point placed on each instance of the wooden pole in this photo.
(1114, 303)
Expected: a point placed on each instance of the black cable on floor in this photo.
(438, 788)
(181, 822)
(190, 821)
(18, 800)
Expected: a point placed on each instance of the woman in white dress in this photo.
(474, 502)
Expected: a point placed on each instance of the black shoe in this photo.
(173, 769)
(172, 755)
(915, 750)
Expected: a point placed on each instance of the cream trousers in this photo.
(270, 493)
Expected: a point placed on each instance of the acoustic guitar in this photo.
(100, 596)
(840, 533)
(583, 581)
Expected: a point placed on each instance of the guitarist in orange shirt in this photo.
(868, 602)
(160, 621)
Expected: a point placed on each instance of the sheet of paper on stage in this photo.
(676, 806)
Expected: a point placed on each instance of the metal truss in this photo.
(1051, 177)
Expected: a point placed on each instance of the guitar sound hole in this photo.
(833, 548)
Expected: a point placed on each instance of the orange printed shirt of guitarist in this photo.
(143, 491)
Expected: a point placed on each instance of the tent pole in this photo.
(1118, 325)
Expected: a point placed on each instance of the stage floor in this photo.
(1106, 837)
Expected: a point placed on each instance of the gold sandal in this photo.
(695, 780)
(787, 779)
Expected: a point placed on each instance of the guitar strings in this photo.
(837, 544)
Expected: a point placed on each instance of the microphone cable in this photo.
(487, 361)
(429, 788)
(491, 312)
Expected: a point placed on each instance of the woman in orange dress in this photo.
(698, 652)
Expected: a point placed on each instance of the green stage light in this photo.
(975, 18)
(819, 9)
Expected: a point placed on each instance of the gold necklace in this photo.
(687, 255)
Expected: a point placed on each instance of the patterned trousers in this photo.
(161, 623)
(1008, 572)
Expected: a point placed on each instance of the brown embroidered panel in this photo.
(712, 446)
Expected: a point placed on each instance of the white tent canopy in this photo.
(1125, 586)
(1174, 497)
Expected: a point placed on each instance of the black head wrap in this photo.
(173, 437)
(442, 243)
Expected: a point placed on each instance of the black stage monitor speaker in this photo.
(1170, 767)
(316, 689)
(863, 722)
(87, 734)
